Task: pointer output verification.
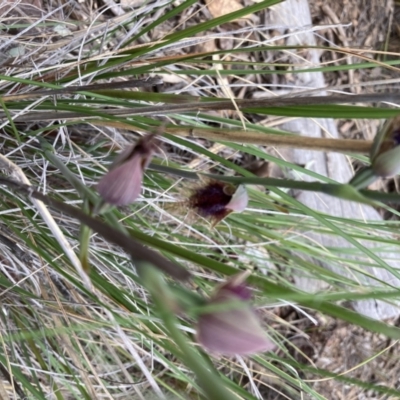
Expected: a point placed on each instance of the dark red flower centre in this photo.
(211, 200)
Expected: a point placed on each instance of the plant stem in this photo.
(259, 138)
(223, 104)
(268, 139)
(208, 377)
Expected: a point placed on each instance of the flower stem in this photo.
(208, 377)
(269, 139)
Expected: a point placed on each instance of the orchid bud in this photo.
(122, 184)
(232, 327)
(216, 200)
(387, 164)
(385, 153)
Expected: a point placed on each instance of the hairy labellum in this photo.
(216, 200)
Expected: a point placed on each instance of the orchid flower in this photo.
(123, 183)
(233, 327)
(216, 200)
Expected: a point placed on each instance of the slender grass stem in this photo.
(268, 139)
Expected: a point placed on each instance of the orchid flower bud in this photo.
(385, 153)
(387, 164)
(122, 184)
(232, 327)
(216, 200)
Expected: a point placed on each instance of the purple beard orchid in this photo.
(235, 329)
(123, 183)
(216, 200)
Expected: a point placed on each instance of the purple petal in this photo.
(123, 156)
(145, 147)
(233, 286)
(122, 185)
(232, 332)
(239, 200)
(241, 291)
